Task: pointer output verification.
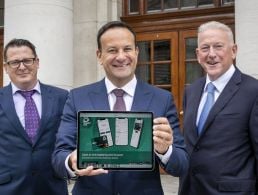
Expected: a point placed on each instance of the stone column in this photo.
(48, 24)
(89, 16)
(246, 17)
(85, 62)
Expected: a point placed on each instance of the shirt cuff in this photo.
(69, 170)
(165, 157)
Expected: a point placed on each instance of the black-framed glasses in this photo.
(25, 62)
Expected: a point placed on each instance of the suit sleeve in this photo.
(178, 161)
(66, 138)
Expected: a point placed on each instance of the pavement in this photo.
(169, 184)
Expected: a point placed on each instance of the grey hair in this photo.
(219, 26)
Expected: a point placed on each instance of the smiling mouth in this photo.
(120, 65)
(23, 74)
(212, 63)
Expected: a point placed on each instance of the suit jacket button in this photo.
(34, 173)
(197, 148)
(194, 172)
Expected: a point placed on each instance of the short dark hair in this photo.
(113, 24)
(19, 43)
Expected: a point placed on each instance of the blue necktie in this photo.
(207, 106)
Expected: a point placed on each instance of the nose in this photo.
(121, 55)
(21, 65)
(212, 52)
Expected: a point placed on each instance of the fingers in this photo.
(161, 120)
(89, 171)
(162, 130)
(162, 135)
(72, 162)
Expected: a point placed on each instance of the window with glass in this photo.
(157, 6)
(134, 7)
(143, 69)
(1, 12)
(155, 63)
(227, 2)
(154, 59)
(193, 69)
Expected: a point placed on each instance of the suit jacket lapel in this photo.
(142, 97)
(6, 101)
(194, 98)
(99, 97)
(47, 107)
(230, 89)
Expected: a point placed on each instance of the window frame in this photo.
(143, 7)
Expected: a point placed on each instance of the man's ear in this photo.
(234, 51)
(37, 63)
(98, 53)
(137, 50)
(6, 68)
(197, 55)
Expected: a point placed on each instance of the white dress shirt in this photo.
(129, 90)
(220, 84)
(19, 101)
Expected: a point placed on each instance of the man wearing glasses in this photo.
(29, 116)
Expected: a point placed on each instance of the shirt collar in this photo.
(15, 88)
(222, 81)
(129, 88)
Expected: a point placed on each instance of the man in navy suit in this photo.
(224, 153)
(117, 53)
(25, 158)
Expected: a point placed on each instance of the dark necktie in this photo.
(31, 114)
(207, 106)
(120, 103)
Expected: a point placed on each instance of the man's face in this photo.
(23, 76)
(118, 55)
(215, 52)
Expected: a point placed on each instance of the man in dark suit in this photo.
(223, 148)
(117, 53)
(25, 151)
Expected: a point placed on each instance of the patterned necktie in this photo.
(120, 103)
(31, 114)
(207, 106)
